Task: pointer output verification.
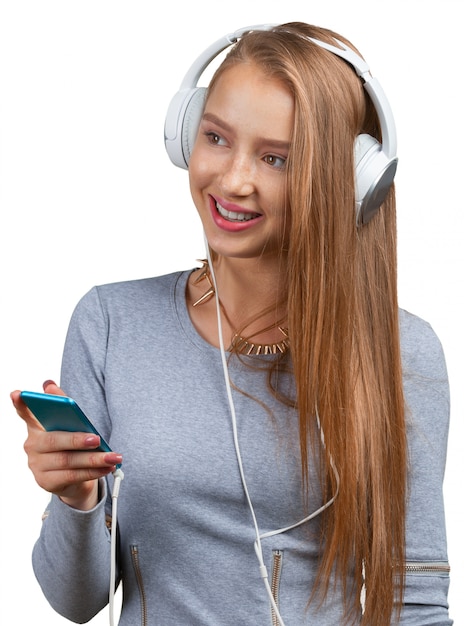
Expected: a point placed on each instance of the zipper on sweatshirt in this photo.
(427, 568)
(277, 556)
(138, 576)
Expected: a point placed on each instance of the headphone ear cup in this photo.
(374, 174)
(191, 122)
(181, 125)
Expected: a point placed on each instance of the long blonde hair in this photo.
(343, 321)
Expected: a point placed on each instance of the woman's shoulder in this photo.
(128, 292)
(421, 349)
(142, 286)
(125, 299)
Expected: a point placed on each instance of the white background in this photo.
(89, 196)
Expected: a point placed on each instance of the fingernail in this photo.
(113, 458)
(48, 382)
(92, 441)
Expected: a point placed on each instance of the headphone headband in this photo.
(205, 58)
(375, 163)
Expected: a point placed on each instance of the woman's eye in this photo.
(214, 138)
(274, 160)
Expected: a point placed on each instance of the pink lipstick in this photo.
(232, 217)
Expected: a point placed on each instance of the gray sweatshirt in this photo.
(155, 390)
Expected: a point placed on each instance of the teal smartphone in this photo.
(61, 413)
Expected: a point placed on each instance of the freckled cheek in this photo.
(199, 171)
(198, 181)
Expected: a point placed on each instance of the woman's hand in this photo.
(65, 463)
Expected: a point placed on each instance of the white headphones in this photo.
(375, 163)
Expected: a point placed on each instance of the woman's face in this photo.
(237, 166)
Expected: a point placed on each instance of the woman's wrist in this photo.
(84, 501)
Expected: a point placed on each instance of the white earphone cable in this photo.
(258, 547)
(259, 536)
(118, 477)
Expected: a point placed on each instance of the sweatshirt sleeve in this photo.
(427, 414)
(71, 558)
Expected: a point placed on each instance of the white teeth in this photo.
(234, 217)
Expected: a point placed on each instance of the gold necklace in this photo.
(204, 275)
(239, 344)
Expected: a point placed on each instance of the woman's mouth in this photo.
(234, 216)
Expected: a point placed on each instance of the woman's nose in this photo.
(238, 178)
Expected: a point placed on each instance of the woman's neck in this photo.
(247, 287)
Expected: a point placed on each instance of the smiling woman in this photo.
(277, 395)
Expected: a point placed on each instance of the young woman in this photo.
(279, 419)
